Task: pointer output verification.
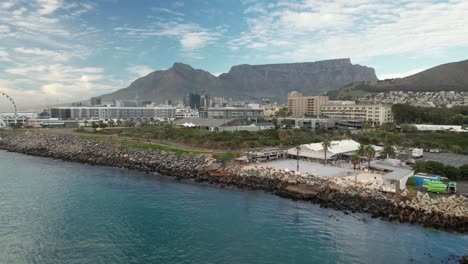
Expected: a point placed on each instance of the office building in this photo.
(300, 106)
(194, 100)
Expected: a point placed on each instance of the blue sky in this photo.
(71, 50)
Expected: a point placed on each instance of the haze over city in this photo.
(55, 50)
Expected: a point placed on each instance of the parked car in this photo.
(435, 150)
(410, 161)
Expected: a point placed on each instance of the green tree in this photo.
(419, 166)
(326, 144)
(411, 182)
(355, 160)
(86, 123)
(388, 152)
(94, 125)
(101, 124)
(389, 127)
(370, 154)
(435, 167)
(283, 136)
(119, 122)
(111, 123)
(283, 112)
(452, 172)
(408, 128)
(464, 171)
(361, 150)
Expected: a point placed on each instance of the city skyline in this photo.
(74, 50)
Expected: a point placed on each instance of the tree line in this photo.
(438, 168)
(404, 113)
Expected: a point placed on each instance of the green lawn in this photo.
(161, 147)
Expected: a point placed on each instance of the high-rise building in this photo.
(194, 100)
(299, 105)
(186, 101)
(206, 101)
(95, 101)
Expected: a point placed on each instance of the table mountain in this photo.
(272, 81)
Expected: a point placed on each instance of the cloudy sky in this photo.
(70, 50)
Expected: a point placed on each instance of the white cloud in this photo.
(320, 29)
(4, 55)
(47, 7)
(140, 70)
(166, 10)
(191, 36)
(48, 54)
(401, 74)
(196, 40)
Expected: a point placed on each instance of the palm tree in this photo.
(298, 149)
(370, 154)
(282, 136)
(247, 145)
(388, 152)
(326, 144)
(355, 159)
(361, 152)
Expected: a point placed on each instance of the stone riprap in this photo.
(450, 213)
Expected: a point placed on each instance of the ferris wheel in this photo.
(2, 122)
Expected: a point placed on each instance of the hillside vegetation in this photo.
(446, 77)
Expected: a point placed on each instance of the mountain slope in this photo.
(446, 77)
(272, 81)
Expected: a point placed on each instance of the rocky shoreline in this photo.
(448, 213)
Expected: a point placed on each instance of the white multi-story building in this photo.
(376, 114)
(109, 112)
(232, 113)
(182, 112)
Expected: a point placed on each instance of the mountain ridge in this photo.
(246, 81)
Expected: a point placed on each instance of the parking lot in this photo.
(447, 158)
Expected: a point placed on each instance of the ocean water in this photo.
(59, 212)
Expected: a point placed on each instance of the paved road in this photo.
(462, 188)
(447, 158)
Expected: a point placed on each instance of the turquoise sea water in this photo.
(59, 212)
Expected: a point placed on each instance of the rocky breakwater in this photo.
(101, 152)
(450, 213)
(107, 153)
